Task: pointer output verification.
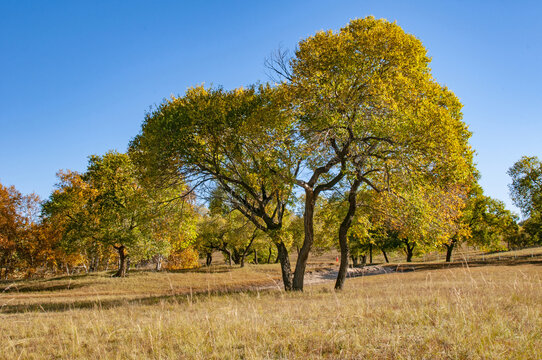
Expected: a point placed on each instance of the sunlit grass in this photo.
(491, 312)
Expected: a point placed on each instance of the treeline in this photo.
(355, 147)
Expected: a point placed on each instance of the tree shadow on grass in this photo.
(207, 270)
(185, 296)
(188, 296)
(40, 287)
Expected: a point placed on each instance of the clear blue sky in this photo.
(78, 76)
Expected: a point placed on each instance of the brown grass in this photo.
(488, 312)
(84, 291)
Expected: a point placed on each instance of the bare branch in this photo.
(278, 65)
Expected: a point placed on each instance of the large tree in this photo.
(360, 102)
(240, 140)
(368, 110)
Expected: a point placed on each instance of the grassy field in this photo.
(437, 311)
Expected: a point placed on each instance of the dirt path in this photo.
(330, 274)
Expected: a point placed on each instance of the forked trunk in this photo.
(409, 250)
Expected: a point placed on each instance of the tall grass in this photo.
(492, 312)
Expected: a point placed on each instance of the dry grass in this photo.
(84, 291)
(489, 312)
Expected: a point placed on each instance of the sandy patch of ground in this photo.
(328, 274)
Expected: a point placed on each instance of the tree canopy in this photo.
(108, 206)
(526, 187)
(366, 105)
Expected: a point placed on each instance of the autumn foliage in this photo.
(355, 146)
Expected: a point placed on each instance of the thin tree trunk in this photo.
(121, 272)
(370, 253)
(343, 234)
(255, 256)
(270, 252)
(284, 265)
(159, 262)
(245, 251)
(209, 259)
(228, 254)
(409, 251)
(303, 256)
(385, 255)
(355, 261)
(449, 249)
(242, 260)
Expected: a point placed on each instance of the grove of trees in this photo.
(355, 146)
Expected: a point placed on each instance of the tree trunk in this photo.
(235, 256)
(355, 260)
(409, 251)
(269, 256)
(303, 256)
(385, 255)
(285, 265)
(209, 259)
(121, 272)
(94, 263)
(228, 255)
(343, 234)
(371, 253)
(255, 256)
(159, 263)
(242, 260)
(449, 249)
